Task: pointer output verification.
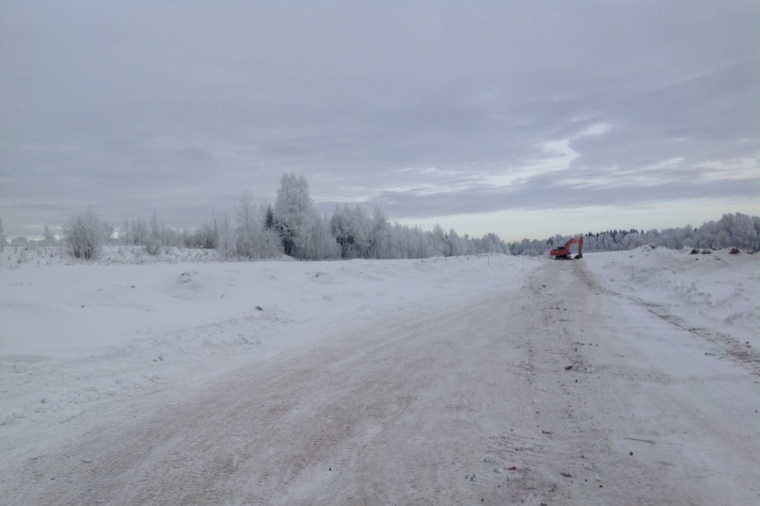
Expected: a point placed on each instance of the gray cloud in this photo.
(428, 108)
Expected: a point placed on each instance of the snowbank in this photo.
(715, 289)
(74, 334)
(89, 347)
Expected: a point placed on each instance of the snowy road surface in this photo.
(557, 390)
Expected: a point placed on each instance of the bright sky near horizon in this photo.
(521, 118)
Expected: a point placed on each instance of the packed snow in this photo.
(433, 370)
(708, 288)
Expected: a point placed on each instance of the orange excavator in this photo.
(563, 252)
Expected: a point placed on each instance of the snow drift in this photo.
(475, 352)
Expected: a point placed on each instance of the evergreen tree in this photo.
(269, 218)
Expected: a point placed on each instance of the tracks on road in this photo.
(549, 395)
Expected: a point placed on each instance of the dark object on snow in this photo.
(734, 251)
(695, 251)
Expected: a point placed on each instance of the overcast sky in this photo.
(524, 118)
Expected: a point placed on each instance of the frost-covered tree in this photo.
(756, 245)
(673, 238)
(203, 238)
(360, 235)
(155, 237)
(732, 230)
(299, 226)
(291, 209)
(491, 243)
(270, 240)
(135, 232)
(318, 243)
(740, 229)
(419, 244)
(633, 240)
(380, 235)
(84, 235)
(252, 237)
(398, 242)
(352, 229)
(246, 225)
(161, 235)
(439, 242)
(108, 232)
(47, 236)
(269, 223)
(225, 243)
(457, 245)
(2, 235)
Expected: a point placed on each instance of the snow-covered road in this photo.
(554, 390)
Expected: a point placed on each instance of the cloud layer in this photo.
(431, 109)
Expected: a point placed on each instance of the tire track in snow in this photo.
(388, 411)
(538, 396)
(729, 346)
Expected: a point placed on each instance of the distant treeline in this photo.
(732, 230)
(291, 226)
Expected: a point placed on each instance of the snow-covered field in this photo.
(623, 378)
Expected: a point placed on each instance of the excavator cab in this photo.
(563, 252)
